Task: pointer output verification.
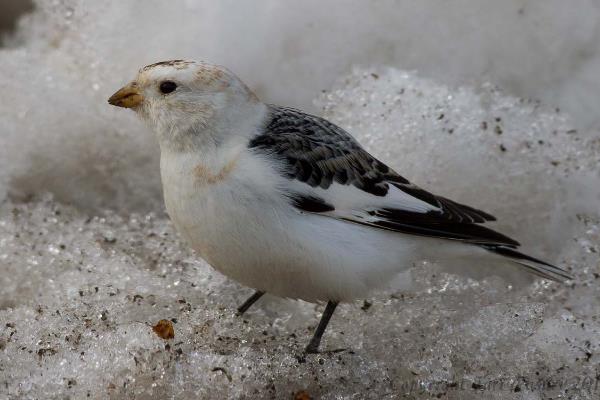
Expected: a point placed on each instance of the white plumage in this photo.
(290, 204)
(246, 228)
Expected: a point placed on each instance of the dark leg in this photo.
(313, 346)
(251, 300)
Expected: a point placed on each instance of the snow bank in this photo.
(87, 272)
(80, 295)
(288, 50)
(70, 55)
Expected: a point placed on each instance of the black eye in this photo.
(167, 87)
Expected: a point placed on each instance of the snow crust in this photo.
(89, 261)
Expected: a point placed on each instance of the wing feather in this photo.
(321, 157)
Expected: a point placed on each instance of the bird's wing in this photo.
(331, 174)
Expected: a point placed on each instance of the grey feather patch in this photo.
(318, 153)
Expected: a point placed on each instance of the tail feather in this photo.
(534, 265)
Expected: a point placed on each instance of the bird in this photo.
(290, 204)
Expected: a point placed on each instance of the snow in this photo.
(90, 262)
(75, 53)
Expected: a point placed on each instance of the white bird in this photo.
(290, 204)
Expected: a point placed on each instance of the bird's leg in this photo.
(313, 346)
(251, 300)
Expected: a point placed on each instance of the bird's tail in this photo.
(535, 266)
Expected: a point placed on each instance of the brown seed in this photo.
(164, 329)
(302, 395)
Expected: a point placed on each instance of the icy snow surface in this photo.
(87, 271)
(79, 294)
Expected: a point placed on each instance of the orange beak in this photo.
(127, 97)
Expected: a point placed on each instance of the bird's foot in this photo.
(251, 300)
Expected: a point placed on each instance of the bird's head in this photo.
(186, 101)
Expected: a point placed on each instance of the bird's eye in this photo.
(167, 87)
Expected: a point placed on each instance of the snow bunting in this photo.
(290, 204)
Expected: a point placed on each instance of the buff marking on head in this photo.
(178, 97)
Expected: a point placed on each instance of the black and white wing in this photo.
(336, 177)
(320, 154)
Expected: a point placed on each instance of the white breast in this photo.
(234, 215)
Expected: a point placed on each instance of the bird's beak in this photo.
(128, 96)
